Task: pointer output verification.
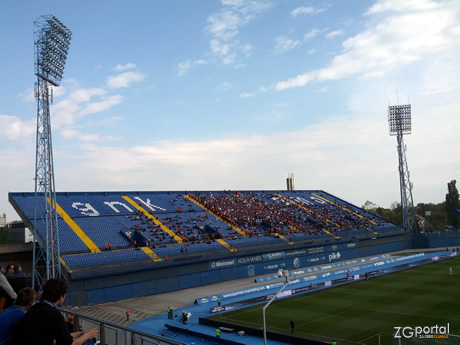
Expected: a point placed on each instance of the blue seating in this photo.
(105, 217)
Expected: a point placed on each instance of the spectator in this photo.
(9, 271)
(44, 322)
(7, 293)
(10, 317)
(19, 279)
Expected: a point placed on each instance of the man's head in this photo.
(17, 268)
(55, 290)
(10, 269)
(26, 297)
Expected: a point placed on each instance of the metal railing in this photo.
(114, 334)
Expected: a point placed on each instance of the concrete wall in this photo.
(177, 276)
(135, 284)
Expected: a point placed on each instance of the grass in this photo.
(358, 312)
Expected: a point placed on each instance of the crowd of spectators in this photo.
(12, 279)
(202, 218)
(27, 322)
(268, 213)
(243, 215)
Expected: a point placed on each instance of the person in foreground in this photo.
(12, 315)
(44, 324)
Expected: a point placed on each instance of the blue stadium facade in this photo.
(119, 245)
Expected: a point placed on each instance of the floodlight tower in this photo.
(399, 120)
(51, 43)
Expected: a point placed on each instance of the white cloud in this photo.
(305, 10)
(311, 34)
(393, 42)
(225, 25)
(219, 48)
(68, 110)
(183, 67)
(300, 80)
(102, 105)
(68, 113)
(226, 85)
(246, 49)
(334, 34)
(283, 44)
(125, 67)
(343, 144)
(247, 94)
(68, 133)
(28, 95)
(402, 6)
(124, 79)
(15, 129)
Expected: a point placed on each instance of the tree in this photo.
(369, 206)
(3, 235)
(452, 201)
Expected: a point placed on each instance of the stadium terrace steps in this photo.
(237, 229)
(156, 221)
(151, 253)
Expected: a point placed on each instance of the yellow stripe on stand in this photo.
(241, 232)
(347, 210)
(151, 253)
(78, 231)
(226, 245)
(156, 221)
(65, 265)
(283, 238)
(222, 242)
(310, 211)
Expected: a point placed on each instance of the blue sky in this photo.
(237, 94)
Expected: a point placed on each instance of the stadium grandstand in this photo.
(187, 239)
(126, 246)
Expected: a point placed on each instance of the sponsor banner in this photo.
(222, 263)
(274, 256)
(222, 308)
(334, 256)
(243, 292)
(250, 259)
(297, 252)
(316, 259)
(315, 250)
(203, 300)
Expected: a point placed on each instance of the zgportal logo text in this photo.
(431, 332)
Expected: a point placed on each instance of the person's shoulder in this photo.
(13, 312)
(19, 275)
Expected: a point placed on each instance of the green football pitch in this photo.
(367, 312)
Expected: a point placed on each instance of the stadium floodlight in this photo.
(399, 121)
(280, 273)
(52, 40)
(51, 43)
